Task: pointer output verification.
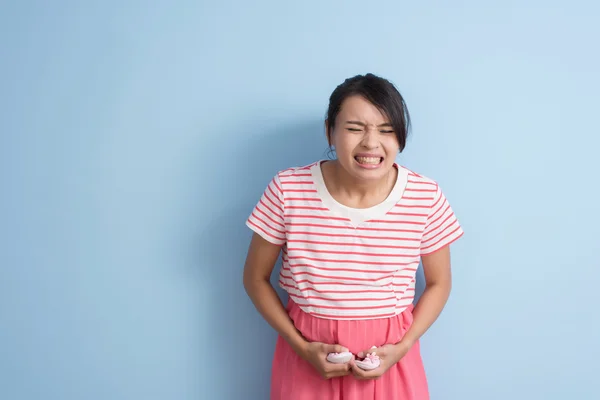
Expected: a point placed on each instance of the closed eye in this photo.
(354, 129)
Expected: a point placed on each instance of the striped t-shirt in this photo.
(345, 263)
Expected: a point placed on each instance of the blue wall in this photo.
(136, 138)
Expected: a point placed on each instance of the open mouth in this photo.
(368, 161)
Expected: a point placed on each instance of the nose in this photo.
(370, 140)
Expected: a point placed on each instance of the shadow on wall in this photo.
(241, 334)
(236, 330)
(420, 284)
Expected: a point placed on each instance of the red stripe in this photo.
(422, 182)
(297, 175)
(322, 283)
(265, 205)
(307, 208)
(268, 226)
(420, 190)
(433, 206)
(346, 308)
(389, 230)
(355, 253)
(292, 241)
(349, 261)
(410, 269)
(287, 265)
(277, 204)
(303, 199)
(297, 183)
(382, 221)
(281, 282)
(416, 198)
(360, 228)
(429, 226)
(271, 219)
(429, 239)
(404, 276)
(340, 235)
(317, 217)
(340, 300)
(408, 214)
(332, 291)
(412, 206)
(389, 273)
(348, 278)
(301, 190)
(266, 233)
(277, 186)
(424, 250)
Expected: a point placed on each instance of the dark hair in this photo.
(379, 92)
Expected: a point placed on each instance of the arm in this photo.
(436, 267)
(260, 262)
(257, 271)
(438, 281)
(442, 229)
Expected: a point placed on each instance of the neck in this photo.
(359, 190)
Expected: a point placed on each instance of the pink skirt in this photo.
(292, 378)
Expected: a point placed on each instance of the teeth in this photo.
(368, 160)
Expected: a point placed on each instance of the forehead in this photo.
(357, 108)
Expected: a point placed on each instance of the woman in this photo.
(352, 232)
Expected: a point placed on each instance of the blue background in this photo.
(137, 136)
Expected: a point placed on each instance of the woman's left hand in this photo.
(388, 354)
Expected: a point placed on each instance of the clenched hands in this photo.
(316, 354)
(388, 354)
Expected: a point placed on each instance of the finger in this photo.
(357, 372)
(365, 376)
(335, 348)
(373, 349)
(337, 368)
(362, 374)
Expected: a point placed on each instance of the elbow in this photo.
(252, 283)
(441, 285)
(247, 282)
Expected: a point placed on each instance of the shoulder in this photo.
(425, 187)
(296, 174)
(297, 171)
(417, 178)
(291, 177)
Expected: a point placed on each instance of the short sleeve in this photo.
(442, 227)
(267, 218)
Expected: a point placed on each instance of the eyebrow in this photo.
(363, 124)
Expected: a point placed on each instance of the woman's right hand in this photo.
(316, 354)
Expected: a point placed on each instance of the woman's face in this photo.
(364, 140)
